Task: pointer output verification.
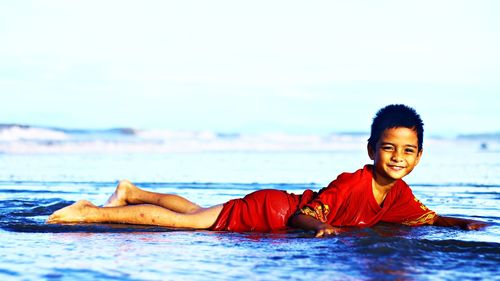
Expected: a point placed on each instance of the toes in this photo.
(51, 219)
(124, 183)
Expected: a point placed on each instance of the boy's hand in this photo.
(462, 223)
(325, 230)
(309, 223)
(475, 225)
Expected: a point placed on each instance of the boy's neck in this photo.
(380, 191)
(382, 185)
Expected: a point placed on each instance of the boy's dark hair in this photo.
(394, 116)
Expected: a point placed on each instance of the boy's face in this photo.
(395, 155)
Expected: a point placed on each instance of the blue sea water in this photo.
(43, 169)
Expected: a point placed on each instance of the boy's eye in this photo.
(387, 148)
(409, 150)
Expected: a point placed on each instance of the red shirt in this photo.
(349, 201)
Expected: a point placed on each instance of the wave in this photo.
(17, 138)
(19, 132)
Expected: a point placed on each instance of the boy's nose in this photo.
(396, 156)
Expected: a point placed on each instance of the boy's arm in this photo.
(309, 223)
(462, 223)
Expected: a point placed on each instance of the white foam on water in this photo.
(20, 133)
(16, 139)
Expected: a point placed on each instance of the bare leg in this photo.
(145, 214)
(127, 193)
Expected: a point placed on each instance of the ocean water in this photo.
(44, 169)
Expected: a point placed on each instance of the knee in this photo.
(194, 209)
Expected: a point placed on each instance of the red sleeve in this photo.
(408, 210)
(325, 205)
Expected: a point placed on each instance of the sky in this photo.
(249, 66)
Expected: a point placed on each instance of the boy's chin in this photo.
(396, 175)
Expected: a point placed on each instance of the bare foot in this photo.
(77, 212)
(119, 197)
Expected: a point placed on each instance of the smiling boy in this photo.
(370, 195)
(377, 192)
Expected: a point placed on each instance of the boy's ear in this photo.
(419, 155)
(371, 151)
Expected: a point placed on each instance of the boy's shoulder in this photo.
(362, 178)
(352, 178)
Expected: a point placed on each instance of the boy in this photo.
(370, 195)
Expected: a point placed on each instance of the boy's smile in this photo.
(395, 155)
